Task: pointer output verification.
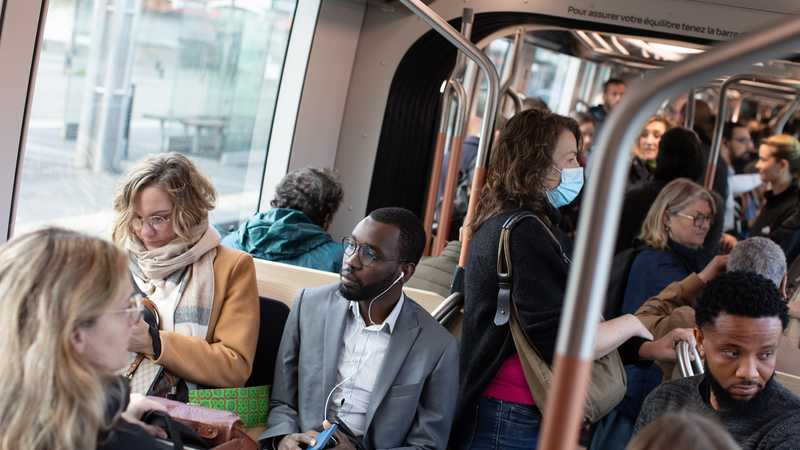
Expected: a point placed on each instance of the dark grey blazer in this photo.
(414, 399)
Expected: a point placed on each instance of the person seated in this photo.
(294, 231)
(363, 353)
(687, 431)
(674, 231)
(645, 151)
(204, 294)
(673, 307)
(740, 318)
(679, 156)
(70, 310)
(779, 166)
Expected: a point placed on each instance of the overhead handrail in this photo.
(453, 167)
(722, 114)
(688, 359)
(451, 85)
(600, 214)
(492, 102)
(688, 117)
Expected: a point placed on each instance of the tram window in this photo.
(120, 79)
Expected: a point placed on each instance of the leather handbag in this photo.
(223, 430)
(607, 385)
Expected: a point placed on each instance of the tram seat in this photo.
(273, 320)
(789, 381)
(283, 282)
(450, 313)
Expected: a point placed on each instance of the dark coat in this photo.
(124, 435)
(776, 210)
(539, 283)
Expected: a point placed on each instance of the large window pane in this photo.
(121, 79)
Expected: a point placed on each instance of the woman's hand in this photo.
(139, 405)
(714, 268)
(727, 242)
(141, 342)
(664, 349)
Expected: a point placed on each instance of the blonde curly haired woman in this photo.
(69, 312)
(205, 294)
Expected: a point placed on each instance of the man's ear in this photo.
(698, 337)
(408, 270)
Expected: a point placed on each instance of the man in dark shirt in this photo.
(740, 318)
(613, 90)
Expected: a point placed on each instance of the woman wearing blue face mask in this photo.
(533, 168)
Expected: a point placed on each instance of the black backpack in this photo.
(618, 280)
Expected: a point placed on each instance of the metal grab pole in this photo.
(688, 118)
(599, 220)
(492, 100)
(511, 72)
(722, 115)
(785, 115)
(453, 163)
(438, 156)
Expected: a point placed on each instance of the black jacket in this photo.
(539, 283)
(775, 211)
(124, 435)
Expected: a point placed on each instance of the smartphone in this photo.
(324, 438)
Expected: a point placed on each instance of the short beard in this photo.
(727, 403)
(366, 293)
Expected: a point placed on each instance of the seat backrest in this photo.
(273, 320)
(790, 382)
(283, 282)
(450, 313)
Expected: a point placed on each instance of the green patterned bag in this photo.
(251, 403)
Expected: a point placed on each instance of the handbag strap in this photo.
(504, 268)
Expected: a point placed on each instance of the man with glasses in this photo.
(363, 354)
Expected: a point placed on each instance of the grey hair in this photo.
(759, 255)
(317, 193)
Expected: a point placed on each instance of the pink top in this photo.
(509, 383)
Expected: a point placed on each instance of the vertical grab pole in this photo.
(438, 155)
(688, 118)
(599, 220)
(453, 163)
(492, 100)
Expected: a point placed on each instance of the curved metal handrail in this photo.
(490, 114)
(453, 161)
(688, 117)
(785, 114)
(722, 114)
(511, 72)
(599, 219)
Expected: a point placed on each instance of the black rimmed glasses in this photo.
(698, 220)
(366, 253)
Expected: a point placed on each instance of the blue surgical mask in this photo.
(568, 188)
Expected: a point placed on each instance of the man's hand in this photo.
(293, 441)
(343, 441)
(664, 349)
(727, 242)
(141, 342)
(714, 268)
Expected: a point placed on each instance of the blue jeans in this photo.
(505, 425)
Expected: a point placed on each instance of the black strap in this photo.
(503, 312)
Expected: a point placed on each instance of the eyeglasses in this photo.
(366, 253)
(699, 220)
(155, 222)
(135, 309)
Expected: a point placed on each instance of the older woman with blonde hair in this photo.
(69, 312)
(205, 294)
(674, 231)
